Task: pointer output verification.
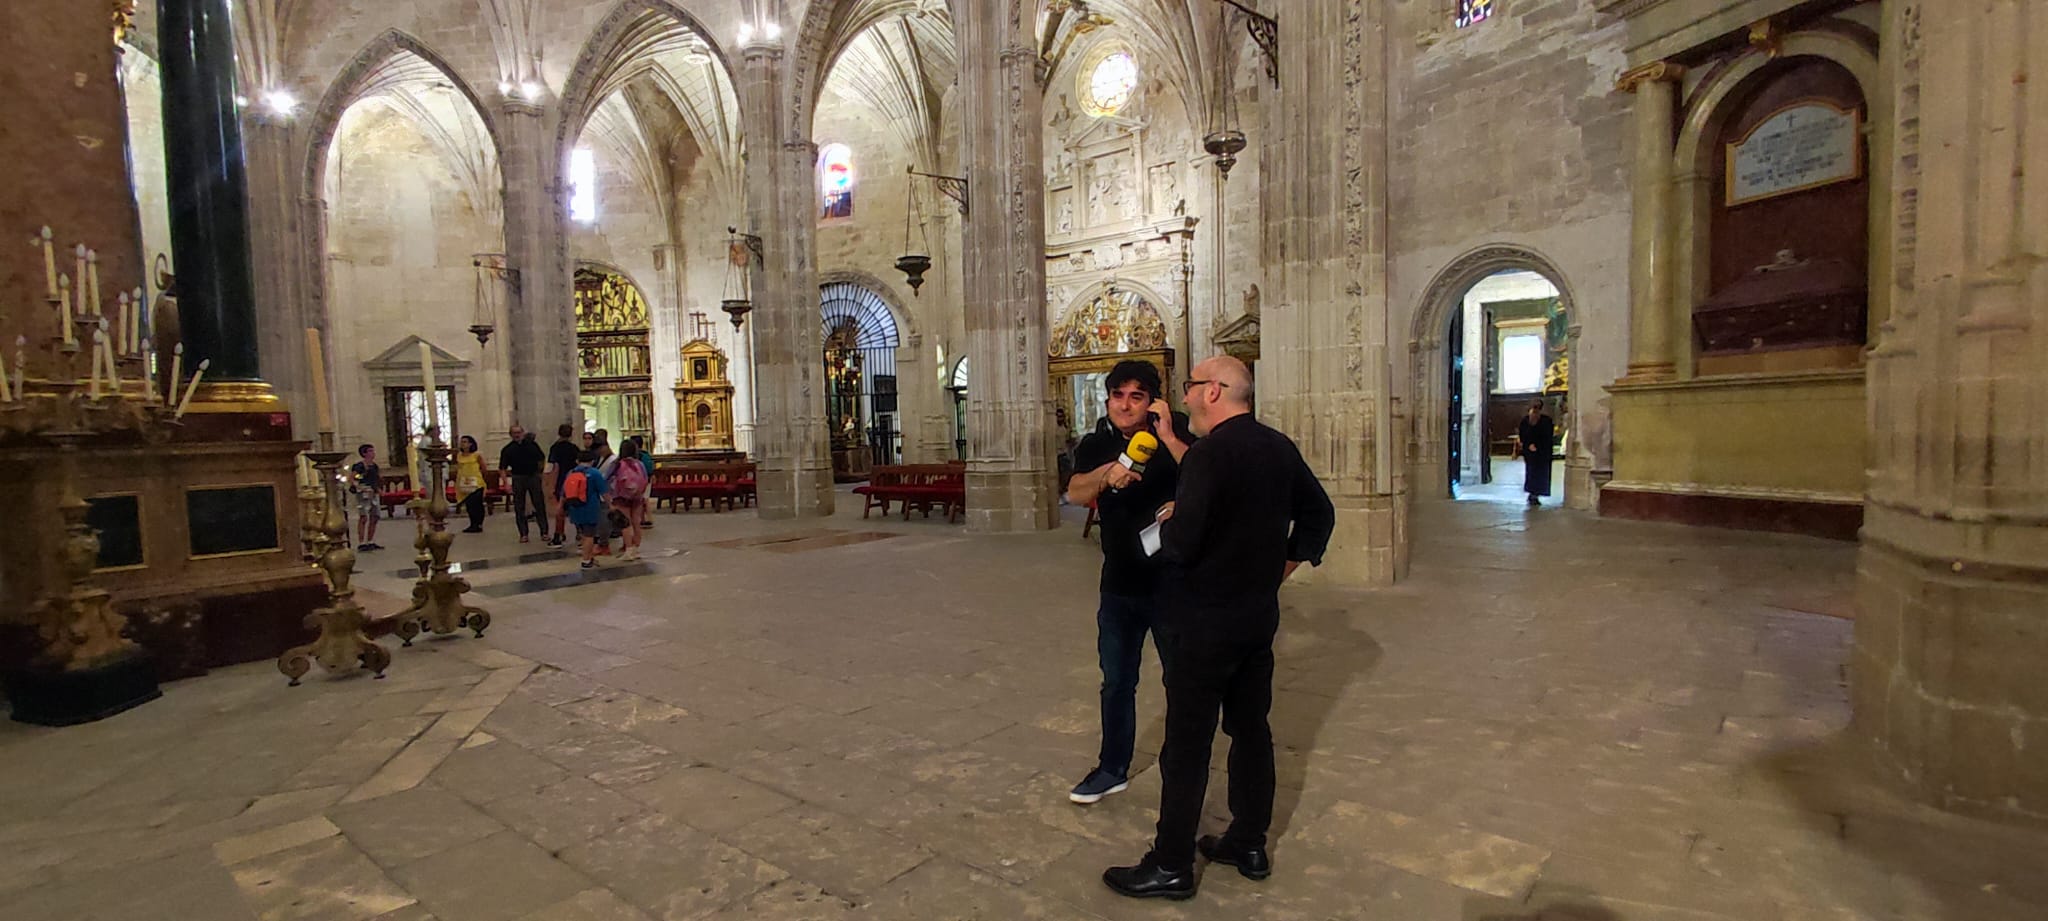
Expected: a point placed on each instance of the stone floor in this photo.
(1556, 717)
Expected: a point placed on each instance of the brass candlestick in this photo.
(437, 604)
(341, 640)
(77, 622)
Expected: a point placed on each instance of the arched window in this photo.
(1473, 12)
(835, 180)
(1108, 85)
(582, 186)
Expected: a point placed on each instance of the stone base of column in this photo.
(1648, 373)
(1369, 547)
(785, 492)
(1578, 484)
(1010, 501)
(1946, 677)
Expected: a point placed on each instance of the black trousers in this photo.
(474, 505)
(524, 489)
(1209, 670)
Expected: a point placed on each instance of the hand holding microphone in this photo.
(1130, 466)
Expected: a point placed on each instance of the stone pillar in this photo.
(744, 410)
(540, 317)
(1325, 374)
(275, 243)
(209, 192)
(1010, 467)
(790, 447)
(1952, 582)
(1651, 354)
(667, 332)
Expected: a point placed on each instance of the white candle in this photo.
(177, 368)
(92, 275)
(6, 395)
(319, 365)
(427, 384)
(191, 388)
(64, 308)
(107, 352)
(124, 317)
(49, 260)
(93, 386)
(78, 281)
(20, 363)
(148, 374)
(141, 314)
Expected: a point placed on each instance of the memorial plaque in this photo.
(225, 520)
(118, 519)
(1805, 145)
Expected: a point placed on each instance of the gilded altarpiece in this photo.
(1090, 338)
(615, 380)
(704, 399)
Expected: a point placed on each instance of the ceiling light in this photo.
(504, 89)
(771, 32)
(746, 33)
(530, 90)
(281, 102)
(241, 102)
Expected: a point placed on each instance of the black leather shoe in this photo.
(1148, 880)
(1253, 862)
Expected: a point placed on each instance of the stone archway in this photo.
(1429, 383)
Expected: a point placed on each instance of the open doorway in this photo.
(1507, 348)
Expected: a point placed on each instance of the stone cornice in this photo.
(1653, 72)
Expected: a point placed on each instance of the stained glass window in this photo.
(1472, 12)
(835, 178)
(1111, 83)
(582, 185)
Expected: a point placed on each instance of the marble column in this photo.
(208, 188)
(1325, 375)
(275, 243)
(790, 447)
(1010, 466)
(1651, 354)
(670, 329)
(1952, 580)
(540, 317)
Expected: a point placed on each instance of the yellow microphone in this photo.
(1143, 445)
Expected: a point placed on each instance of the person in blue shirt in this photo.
(587, 511)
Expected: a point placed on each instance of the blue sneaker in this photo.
(1100, 782)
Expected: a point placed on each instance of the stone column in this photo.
(666, 335)
(276, 244)
(209, 192)
(1952, 582)
(744, 410)
(1325, 374)
(789, 442)
(540, 318)
(1651, 354)
(1010, 467)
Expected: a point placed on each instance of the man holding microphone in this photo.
(1248, 512)
(1121, 470)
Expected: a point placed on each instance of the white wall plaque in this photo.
(1805, 145)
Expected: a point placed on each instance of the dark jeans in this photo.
(523, 489)
(474, 505)
(1120, 626)
(1210, 668)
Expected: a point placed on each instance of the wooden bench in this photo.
(916, 486)
(717, 486)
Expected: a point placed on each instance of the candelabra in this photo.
(341, 640)
(437, 604)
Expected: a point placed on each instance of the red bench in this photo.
(718, 486)
(916, 486)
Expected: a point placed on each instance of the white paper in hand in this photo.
(1149, 538)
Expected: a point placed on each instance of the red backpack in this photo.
(629, 481)
(576, 488)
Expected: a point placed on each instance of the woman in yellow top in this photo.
(469, 482)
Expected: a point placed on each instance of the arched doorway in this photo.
(1496, 331)
(861, 413)
(957, 386)
(614, 371)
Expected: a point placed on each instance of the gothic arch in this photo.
(347, 87)
(594, 64)
(906, 322)
(1427, 379)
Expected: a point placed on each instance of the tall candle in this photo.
(141, 315)
(125, 316)
(427, 384)
(177, 368)
(92, 275)
(6, 395)
(79, 285)
(107, 353)
(49, 260)
(64, 308)
(319, 365)
(148, 374)
(93, 386)
(191, 388)
(20, 362)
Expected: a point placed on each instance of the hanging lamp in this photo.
(1224, 141)
(739, 265)
(491, 277)
(913, 264)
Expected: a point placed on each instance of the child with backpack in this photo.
(583, 496)
(629, 496)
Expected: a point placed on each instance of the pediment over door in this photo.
(399, 365)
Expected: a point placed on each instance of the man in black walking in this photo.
(1248, 512)
(519, 462)
(561, 460)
